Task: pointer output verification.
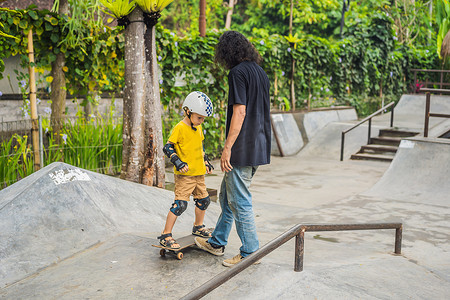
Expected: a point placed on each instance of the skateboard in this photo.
(184, 242)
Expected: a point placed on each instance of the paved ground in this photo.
(109, 255)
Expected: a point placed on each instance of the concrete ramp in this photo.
(62, 210)
(420, 172)
(327, 142)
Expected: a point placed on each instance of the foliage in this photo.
(94, 144)
(369, 63)
(118, 8)
(308, 16)
(149, 6)
(16, 161)
(94, 65)
(182, 16)
(192, 58)
(443, 20)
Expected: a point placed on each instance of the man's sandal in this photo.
(201, 231)
(167, 243)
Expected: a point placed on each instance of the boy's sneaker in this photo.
(238, 258)
(204, 245)
(201, 231)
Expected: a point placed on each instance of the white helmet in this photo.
(198, 102)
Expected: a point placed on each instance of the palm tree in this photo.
(58, 85)
(142, 156)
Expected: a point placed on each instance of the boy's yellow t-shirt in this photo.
(188, 144)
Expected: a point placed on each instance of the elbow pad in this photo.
(169, 150)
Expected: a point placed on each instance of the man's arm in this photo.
(237, 119)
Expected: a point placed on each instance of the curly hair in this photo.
(234, 48)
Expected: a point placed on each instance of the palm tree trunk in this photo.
(154, 165)
(134, 98)
(58, 85)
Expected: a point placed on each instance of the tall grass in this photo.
(16, 160)
(94, 144)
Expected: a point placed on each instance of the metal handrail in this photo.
(369, 118)
(427, 107)
(441, 72)
(298, 231)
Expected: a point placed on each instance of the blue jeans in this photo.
(236, 203)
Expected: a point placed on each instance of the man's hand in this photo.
(225, 164)
(237, 119)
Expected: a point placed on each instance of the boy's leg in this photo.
(178, 207)
(240, 202)
(199, 216)
(170, 222)
(202, 201)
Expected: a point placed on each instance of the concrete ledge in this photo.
(308, 125)
(11, 110)
(286, 137)
(314, 121)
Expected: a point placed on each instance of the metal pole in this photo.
(298, 231)
(369, 133)
(41, 143)
(299, 250)
(342, 145)
(427, 114)
(415, 81)
(219, 279)
(392, 116)
(398, 240)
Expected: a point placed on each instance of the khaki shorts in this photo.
(185, 186)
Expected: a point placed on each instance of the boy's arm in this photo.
(209, 166)
(169, 151)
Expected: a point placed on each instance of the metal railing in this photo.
(298, 231)
(427, 83)
(369, 118)
(427, 107)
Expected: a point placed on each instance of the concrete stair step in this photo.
(390, 141)
(375, 148)
(388, 132)
(369, 156)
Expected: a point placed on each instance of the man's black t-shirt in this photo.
(249, 85)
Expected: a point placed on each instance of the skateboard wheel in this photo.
(180, 255)
(162, 252)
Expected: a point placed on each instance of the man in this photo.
(247, 145)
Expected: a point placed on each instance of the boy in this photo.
(185, 150)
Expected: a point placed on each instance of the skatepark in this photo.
(69, 233)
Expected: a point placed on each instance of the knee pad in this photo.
(202, 204)
(178, 207)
